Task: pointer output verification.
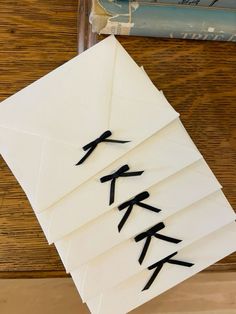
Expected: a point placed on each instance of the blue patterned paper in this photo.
(151, 19)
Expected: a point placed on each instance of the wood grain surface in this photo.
(197, 77)
(208, 293)
(35, 38)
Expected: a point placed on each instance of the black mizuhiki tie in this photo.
(121, 172)
(137, 200)
(158, 266)
(90, 147)
(212, 3)
(152, 232)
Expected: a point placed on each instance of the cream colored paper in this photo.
(44, 126)
(162, 155)
(129, 295)
(171, 195)
(188, 225)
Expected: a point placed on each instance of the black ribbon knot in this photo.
(137, 200)
(158, 266)
(152, 232)
(121, 172)
(90, 147)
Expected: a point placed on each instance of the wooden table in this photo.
(197, 77)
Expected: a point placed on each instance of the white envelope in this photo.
(129, 295)
(162, 155)
(44, 127)
(188, 225)
(171, 195)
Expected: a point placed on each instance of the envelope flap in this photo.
(21, 149)
(73, 105)
(128, 114)
(61, 105)
(136, 104)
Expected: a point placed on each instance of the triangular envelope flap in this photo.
(61, 107)
(19, 149)
(137, 105)
(128, 114)
(49, 108)
(201, 253)
(65, 103)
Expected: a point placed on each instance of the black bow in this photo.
(212, 3)
(137, 200)
(92, 145)
(121, 172)
(152, 232)
(158, 266)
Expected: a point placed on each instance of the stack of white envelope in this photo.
(137, 210)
